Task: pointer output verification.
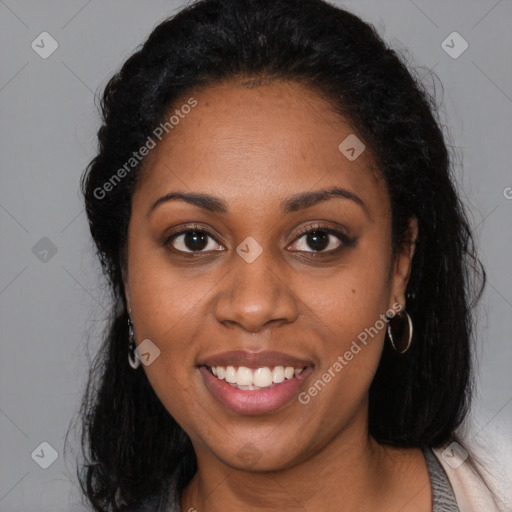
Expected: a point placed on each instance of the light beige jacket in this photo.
(471, 493)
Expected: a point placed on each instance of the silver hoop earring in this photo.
(133, 360)
(401, 324)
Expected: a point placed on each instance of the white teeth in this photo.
(244, 376)
(278, 374)
(249, 379)
(262, 377)
(230, 374)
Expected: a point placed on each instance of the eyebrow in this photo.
(292, 204)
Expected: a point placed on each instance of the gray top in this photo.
(443, 498)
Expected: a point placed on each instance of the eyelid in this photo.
(324, 227)
(190, 227)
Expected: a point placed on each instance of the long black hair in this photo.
(130, 441)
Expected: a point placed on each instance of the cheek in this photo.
(166, 298)
(349, 309)
(168, 312)
(351, 323)
(352, 332)
(353, 297)
(166, 309)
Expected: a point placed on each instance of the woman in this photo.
(273, 207)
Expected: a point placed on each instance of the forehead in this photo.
(260, 143)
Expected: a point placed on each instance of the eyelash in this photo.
(345, 240)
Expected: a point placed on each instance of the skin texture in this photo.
(254, 147)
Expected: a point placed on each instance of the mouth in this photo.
(254, 382)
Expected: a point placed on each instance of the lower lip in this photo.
(256, 401)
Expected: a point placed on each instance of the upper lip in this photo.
(254, 359)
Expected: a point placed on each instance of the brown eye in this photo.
(192, 240)
(318, 240)
(321, 239)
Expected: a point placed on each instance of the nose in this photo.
(254, 295)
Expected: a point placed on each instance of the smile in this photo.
(252, 383)
(251, 379)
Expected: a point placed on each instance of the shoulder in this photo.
(473, 490)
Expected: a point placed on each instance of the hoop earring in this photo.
(133, 361)
(400, 334)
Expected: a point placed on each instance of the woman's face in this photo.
(267, 278)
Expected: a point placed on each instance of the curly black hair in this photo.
(130, 441)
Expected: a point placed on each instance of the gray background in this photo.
(48, 126)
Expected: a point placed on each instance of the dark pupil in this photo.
(319, 239)
(198, 241)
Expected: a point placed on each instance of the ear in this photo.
(402, 265)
